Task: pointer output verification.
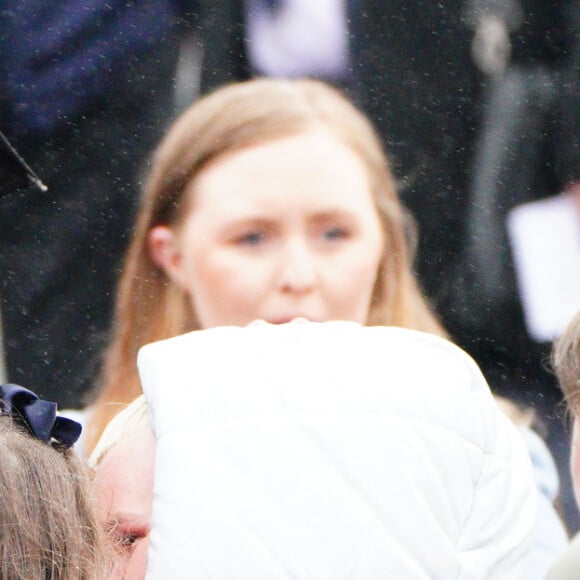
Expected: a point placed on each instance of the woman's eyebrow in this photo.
(128, 519)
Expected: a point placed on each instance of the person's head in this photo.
(47, 521)
(267, 199)
(566, 363)
(124, 463)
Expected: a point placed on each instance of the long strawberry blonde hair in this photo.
(151, 307)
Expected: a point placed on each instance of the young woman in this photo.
(270, 199)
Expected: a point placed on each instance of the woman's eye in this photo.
(335, 233)
(126, 541)
(124, 536)
(251, 239)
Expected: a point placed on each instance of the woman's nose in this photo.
(297, 269)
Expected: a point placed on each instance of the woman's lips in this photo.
(285, 319)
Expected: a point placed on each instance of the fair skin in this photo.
(124, 497)
(277, 231)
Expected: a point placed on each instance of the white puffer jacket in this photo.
(331, 452)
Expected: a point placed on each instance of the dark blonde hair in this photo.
(150, 307)
(48, 528)
(566, 363)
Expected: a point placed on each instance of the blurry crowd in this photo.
(474, 118)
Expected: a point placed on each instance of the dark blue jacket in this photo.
(61, 56)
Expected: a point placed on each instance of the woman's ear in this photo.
(165, 252)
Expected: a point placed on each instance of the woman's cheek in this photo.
(137, 565)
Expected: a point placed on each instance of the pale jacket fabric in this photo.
(331, 451)
(550, 536)
(567, 567)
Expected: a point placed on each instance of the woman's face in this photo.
(277, 231)
(124, 496)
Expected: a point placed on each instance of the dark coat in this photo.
(415, 76)
(87, 92)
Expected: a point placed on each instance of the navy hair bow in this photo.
(38, 416)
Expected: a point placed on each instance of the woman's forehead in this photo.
(316, 164)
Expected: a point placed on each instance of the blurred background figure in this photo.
(477, 101)
(241, 39)
(87, 88)
(566, 362)
(528, 149)
(15, 175)
(433, 80)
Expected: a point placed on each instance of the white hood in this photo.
(331, 451)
